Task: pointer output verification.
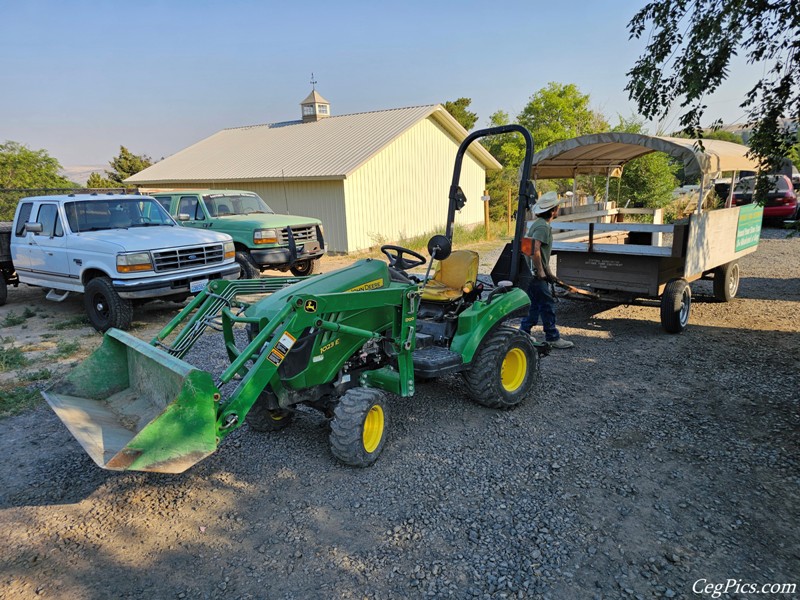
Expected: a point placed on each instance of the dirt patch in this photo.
(643, 463)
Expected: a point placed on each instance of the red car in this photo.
(781, 199)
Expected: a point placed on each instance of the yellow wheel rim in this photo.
(513, 369)
(373, 428)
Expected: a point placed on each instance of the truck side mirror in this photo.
(33, 228)
(183, 217)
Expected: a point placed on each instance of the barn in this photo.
(369, 177)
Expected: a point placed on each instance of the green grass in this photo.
(12, 358)
(15, 400)
(47, 336)
(13, 319)
(39, 375)
(72, 323)
(28, 313)
(65, 349)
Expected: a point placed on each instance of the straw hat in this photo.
(546, 202)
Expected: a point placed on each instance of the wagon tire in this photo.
(104, 306)
(305, 267)
(248, 269)
(359, 426)
(676, 304)
(504, 369)
(726, 281)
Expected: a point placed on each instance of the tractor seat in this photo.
(453, 277)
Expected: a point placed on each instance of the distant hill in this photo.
(80, 174)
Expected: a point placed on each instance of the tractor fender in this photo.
(480, 318)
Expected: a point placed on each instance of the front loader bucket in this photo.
(134, 407)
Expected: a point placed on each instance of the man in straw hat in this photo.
(542, 303)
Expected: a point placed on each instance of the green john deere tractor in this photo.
(336, 342)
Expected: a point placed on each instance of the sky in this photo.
(80, 78)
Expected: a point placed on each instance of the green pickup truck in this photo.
(263, 239)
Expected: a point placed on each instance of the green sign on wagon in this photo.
(748, 230)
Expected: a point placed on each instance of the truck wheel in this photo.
(104, 306)
(676, 303)
(261, 418)
(305, 267)
(3, 290)
(503, 370)
(726, 281)
(247, 268)
(358, 429)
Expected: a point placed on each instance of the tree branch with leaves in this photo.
(689, 50)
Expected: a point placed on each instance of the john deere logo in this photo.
(311, 306)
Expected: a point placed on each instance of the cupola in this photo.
(315, 107)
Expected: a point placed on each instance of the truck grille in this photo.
(186, 258)
(303, 233)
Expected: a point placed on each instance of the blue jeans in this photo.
(542, 305)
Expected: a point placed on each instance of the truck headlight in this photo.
(265, 236)
(133, 262)
(229, 249)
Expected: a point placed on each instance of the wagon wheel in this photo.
(726, 281)
(676, 303)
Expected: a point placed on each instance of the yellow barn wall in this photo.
(402, 191)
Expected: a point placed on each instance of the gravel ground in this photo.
(642, 463)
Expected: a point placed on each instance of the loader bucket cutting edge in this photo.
(134, 407)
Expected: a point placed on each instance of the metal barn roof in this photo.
(331, 148)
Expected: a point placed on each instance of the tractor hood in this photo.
(363, 275)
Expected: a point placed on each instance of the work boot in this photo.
(561, 344)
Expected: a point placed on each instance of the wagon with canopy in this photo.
(624, 261)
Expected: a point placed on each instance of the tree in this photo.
(649, 179)
(458, 109)
(559, 112)
(725, 136)
(21, 167)
(126, 165)
(98, 181)
(688, 54)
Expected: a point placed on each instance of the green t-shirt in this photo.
(541, 230)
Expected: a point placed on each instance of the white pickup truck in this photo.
(117, 250)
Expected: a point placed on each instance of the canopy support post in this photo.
(575, 186)
(608, 181)
(702, 187)
(729, 199)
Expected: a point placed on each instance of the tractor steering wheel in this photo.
(397, 259)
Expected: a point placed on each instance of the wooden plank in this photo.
(631, 249)
(643, 227)
(712, 239)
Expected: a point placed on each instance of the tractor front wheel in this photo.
(359, 425)
(504, 369)
(262, 418)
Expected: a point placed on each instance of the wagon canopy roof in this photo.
(604, 153)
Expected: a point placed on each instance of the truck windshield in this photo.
(96, 215)
(225, 205)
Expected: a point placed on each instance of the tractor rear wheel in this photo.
(359, 425)
(262, 418)
(504, 369)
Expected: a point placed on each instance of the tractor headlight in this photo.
(133, 262)
(265, 236)
(229, 249)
